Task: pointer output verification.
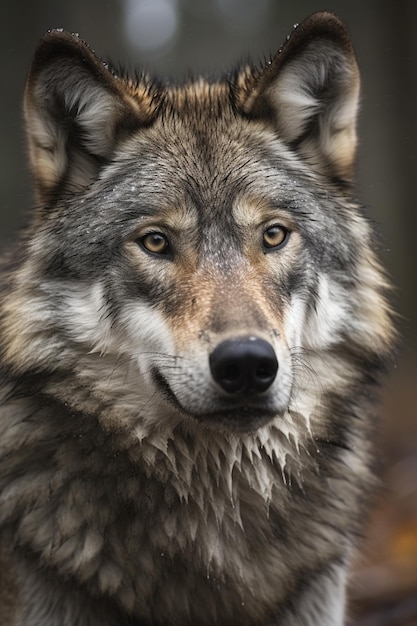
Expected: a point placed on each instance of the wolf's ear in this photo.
(310, 91)
(76, 111)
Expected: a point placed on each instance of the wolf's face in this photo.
(191, 252)
(209, 253)
(197, 244)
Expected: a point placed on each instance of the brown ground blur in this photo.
(384, 585)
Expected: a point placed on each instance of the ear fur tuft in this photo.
(310, 92)
(76, 110)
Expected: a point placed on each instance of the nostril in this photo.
(265, 371)
(246, 365)
(230, 373)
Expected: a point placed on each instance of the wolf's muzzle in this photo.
(246, 366)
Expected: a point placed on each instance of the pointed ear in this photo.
(310, 91)
(76, 111)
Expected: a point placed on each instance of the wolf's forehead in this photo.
(202, 154)
(206, 157)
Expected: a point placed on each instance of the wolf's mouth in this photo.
(237, 417)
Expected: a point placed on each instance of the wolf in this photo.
(193, 327)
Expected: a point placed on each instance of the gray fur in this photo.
(133, 490)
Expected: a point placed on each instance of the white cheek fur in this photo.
(329, 318)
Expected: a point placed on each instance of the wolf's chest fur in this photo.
(225, 509)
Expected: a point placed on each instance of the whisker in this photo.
(302, 366)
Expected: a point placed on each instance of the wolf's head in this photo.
(196, 255)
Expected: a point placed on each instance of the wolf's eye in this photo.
(274, 237)
(156, 243)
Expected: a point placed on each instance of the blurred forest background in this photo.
(173, 37)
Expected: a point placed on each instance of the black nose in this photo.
(247, 365)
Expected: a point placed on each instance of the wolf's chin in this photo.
(236, 418)
(243, 420)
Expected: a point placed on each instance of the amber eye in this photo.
(274, 237)
(156, 243)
